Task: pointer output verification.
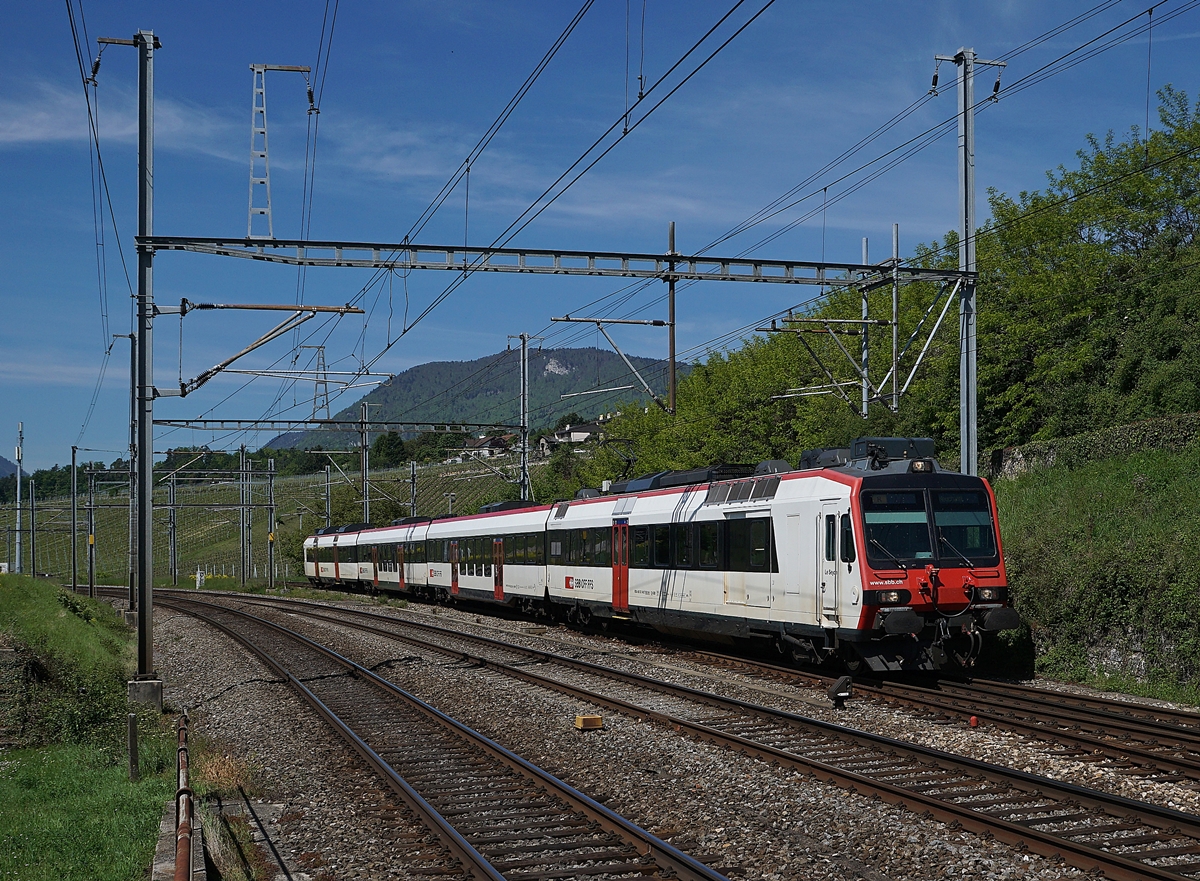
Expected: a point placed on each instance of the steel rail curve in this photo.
(663, 857)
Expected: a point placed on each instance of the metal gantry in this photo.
(258, 146)
(535, 261)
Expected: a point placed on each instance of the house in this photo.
(571, 434)
(485, 447)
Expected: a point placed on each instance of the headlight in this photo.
(988, 594)
(886, 597)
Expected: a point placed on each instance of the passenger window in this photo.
(830, 536)
(710, 557)
(759, 544)
(603, 554)
(662, 546)
(847, 540)
(685, 556)
(739, 545)
(641, 546)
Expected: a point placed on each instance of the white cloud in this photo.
(44, 112)
(40, 370)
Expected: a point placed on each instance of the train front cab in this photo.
(933, 576)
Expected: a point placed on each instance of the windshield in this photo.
(896, 528)
(963, 520)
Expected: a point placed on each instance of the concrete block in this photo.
(146, 691)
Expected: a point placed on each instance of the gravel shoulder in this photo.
(741, 815)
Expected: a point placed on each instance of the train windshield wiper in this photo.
(942, 538)
(898, 561)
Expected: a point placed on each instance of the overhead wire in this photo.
(940, 130)
(100, 184)
(1008, 91)
(545, 200)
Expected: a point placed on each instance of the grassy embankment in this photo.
(67, 808)
(1104, 561)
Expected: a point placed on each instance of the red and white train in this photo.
(873, 556)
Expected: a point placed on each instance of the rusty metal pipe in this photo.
(183, 808)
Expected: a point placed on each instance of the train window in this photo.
(964, 525)
(750, 545)
(537, 542)
(709, 545)
(847, 540)
(685, 552)
(759, 544)
(662, 546)
(896, 527)
(602, 555)
(739, 545)
(830, 536)
(641, 547)
(557, 540)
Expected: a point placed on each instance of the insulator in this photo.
(95, 67)
(933, 85)
(310, 96)
(996, 88)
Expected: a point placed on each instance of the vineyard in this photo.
(208, 510)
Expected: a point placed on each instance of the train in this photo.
(871, 557)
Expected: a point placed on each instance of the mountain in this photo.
(488, 391)
(7, 467)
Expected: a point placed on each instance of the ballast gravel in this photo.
(740, 815)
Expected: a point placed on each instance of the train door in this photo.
(399, 552)
(337, 568)
(454, 567)
(827, 562)
(375, 566)
(786, 597)
(620, 564)
(498, 568)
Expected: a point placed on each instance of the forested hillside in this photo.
(488, 390)
(1088, 298)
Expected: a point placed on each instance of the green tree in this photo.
(388, 451)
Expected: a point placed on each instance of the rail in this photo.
(1022, 809)
(601, 838)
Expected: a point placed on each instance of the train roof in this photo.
(875, 456)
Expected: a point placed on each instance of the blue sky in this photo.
(409, 89)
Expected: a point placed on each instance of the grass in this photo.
(1105, 567)
(67, 809)
(68, 812)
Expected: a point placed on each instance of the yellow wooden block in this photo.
(587, 723)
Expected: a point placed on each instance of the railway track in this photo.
(1094, 831)
(1159, 743)
(496, 815)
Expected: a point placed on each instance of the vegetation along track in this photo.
(497, 816)
(1095, 831)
